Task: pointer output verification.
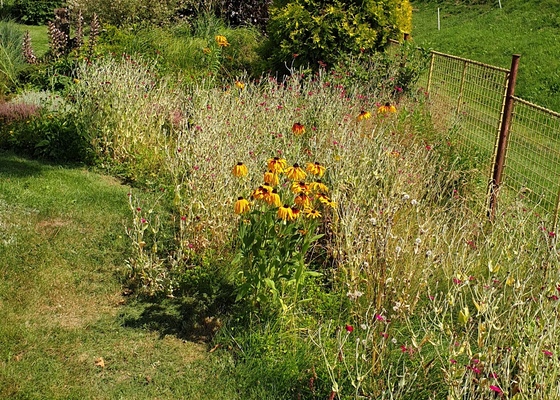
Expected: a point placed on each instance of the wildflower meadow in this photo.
(333, 238)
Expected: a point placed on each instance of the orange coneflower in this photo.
(284, 213)
(241, 206)
(261, 192)
(271, 178)
(303, 200)
(240, 85)
(240, 170)
(318, 187)
(300, 187)
(363, 115)
(386, 108)
(273, 198)
(298, 129)
(276, 164)
(295, 213)
(323, 198)
(295, 173)
(315, 169)
(312, 213)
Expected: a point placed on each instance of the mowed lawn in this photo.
(66, 331)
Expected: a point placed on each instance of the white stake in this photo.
(438, 23)
(500, 3)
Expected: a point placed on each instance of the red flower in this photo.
(496, 389)
(349, 328)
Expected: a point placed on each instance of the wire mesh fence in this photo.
(468, 98)
(532, 165)
(473, 94)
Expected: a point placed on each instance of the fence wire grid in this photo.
(532, 165)
(468, 100)
(473, 95)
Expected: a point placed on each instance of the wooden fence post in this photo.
(503, 138)
(430, 72)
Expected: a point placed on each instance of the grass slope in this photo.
(65, 332)
(489, 34)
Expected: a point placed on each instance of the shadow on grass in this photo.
(15, 167)
(194, 315)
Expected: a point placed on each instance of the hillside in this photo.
(489, 34)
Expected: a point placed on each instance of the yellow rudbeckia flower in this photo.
(315, 169)
(276, 164)
(284, 213)
(295, 173)
(241, 206)
(299, 187)
(271, 178)
(240, 170)
(303, 200)
(386, 108)
(363, 115)
(318, 187)
(312, 213)
(273, 198)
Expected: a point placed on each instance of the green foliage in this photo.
(189, 50)
(317, 32)
(35, 12)
(126, 12)
(387, 75)
(50, 134)
(271, 258)
(11, 59)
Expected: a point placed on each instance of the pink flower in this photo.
(453, 361)
(495, 389)
(380, 317)
(547, 353)
(349, 328)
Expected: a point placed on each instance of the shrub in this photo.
(318, 32)
(33, 12)
(43, 127)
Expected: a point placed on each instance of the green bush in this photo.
(33, 12)
(313, 32)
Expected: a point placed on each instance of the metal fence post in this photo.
(498, 167)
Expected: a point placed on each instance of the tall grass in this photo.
(417, 290)
(11, 58)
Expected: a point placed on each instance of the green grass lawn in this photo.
(66, 331)
(491, 35)
(39, 38)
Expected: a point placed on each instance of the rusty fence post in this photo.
(499, 161)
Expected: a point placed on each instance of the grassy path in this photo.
(62, 332)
